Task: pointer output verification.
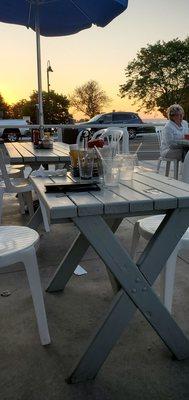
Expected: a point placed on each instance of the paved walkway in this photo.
(140, 367)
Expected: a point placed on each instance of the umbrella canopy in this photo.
(58, 18)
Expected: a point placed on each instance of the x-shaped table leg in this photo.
(36, 219)
(73, 258)
(136, 289)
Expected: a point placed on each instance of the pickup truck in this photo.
(14, 129)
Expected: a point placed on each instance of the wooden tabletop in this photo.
(148, 192)
(25, 153)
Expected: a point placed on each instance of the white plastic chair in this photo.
(19, 168)
(99, 133)
(146, 227)
(13, 172)
(167, 160)
(18, 245)
(1, 202)
(81, 137)
(185, 168)
(117, 137)
(20, 186)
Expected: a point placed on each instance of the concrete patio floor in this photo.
(139, 366)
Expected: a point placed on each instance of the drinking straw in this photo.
(138, 148)
(98, 152)
(100, 155)
(85, 142)
(116, 146)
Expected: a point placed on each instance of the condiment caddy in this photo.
(45, 143)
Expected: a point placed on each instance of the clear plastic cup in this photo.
(111, 171)
(86, 162)
(74, 155)
(128, 162)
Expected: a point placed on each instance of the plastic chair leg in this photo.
(167, 170)
(176, 169)
(30, 261)
(185, 169)
(135, 239)
(1, 203)
(168, 279)
(158, 166)
(21, 202)
(45, 218)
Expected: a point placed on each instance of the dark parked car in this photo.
(119, 118)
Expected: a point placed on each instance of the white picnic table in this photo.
(97, 216)
(25, 153)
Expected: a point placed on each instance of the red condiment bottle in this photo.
(35, 137)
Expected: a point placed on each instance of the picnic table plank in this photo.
(160, 199)
(57, 153)
(14, 154)
(87, 204)
(61, 147)
(40, 155)
(137, 201)
(181, 195)
(58, 204)
(113, 204)
(24, 152)
(169, 181)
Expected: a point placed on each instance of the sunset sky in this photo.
(97, 53)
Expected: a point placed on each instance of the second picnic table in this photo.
(25, 153)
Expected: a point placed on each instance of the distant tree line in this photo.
(55, 108)
(88, 99)
(156, 78)
(4, 108)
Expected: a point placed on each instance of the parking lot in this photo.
(149, 149)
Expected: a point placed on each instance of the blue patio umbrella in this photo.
(58, 18)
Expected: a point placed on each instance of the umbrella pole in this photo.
(40, 96)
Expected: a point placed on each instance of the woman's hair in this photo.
(173, 110)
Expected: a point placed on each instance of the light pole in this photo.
(49, 69)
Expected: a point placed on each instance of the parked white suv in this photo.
(14, 130)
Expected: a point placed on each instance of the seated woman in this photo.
(174, 130)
